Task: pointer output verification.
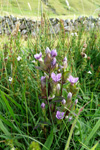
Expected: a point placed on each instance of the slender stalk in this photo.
(70, 134)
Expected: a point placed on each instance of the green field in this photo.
(52, 8)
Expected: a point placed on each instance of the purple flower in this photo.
(65, 59)
(70, 118)
(72, 80)
(59, 115)
(53, 63)
(38, 56)
(69, 96)
(43, 78)
(43, 105)
(63, 101)
(55, 77)
(54, 53)
(47, 50)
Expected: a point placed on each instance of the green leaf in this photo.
(13, 101)
(7, 104)
(49, 141)
(93, 131)
(3, 128)
(94, 147)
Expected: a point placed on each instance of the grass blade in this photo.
(48, 141)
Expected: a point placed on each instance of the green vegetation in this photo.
(32, 8)
(22, 122)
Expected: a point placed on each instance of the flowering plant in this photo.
(58, 87)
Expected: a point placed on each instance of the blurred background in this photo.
(52, 8)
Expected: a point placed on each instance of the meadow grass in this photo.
(21, 117)
(33, 8)
(23, 123)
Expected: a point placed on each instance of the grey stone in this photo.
(67, 20)
(14, 19)
(24, 32)
(55, 29)
(68, 28)
(98, 23)
(22, 26)
(65, 24)
(27, 25)
(91, 18)
(1, 19)
(33, 34)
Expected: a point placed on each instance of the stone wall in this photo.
(8, 23)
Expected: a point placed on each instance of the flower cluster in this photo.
(55, 77)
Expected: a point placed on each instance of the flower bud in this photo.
(85, 45)
(69, 96)
(65, 62)
(47, 50)
(70, 118)
(43, 105)
(63, 101)
(53, 63)
(66, 117)
(58, 88)
(43, 81)
(47, 60)
(76, 101)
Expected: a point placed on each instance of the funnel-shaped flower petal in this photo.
(54, 53)
(55, 77)
(72, 80)
(59, 115)
(38, 56)
(53, 63)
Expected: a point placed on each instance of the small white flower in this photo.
(66, 117)
(6, 57)
(72, 34)
(89, 72)
(75, 34)
(33, 61)
(10, 79)
(85, 56)
(19, 58)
